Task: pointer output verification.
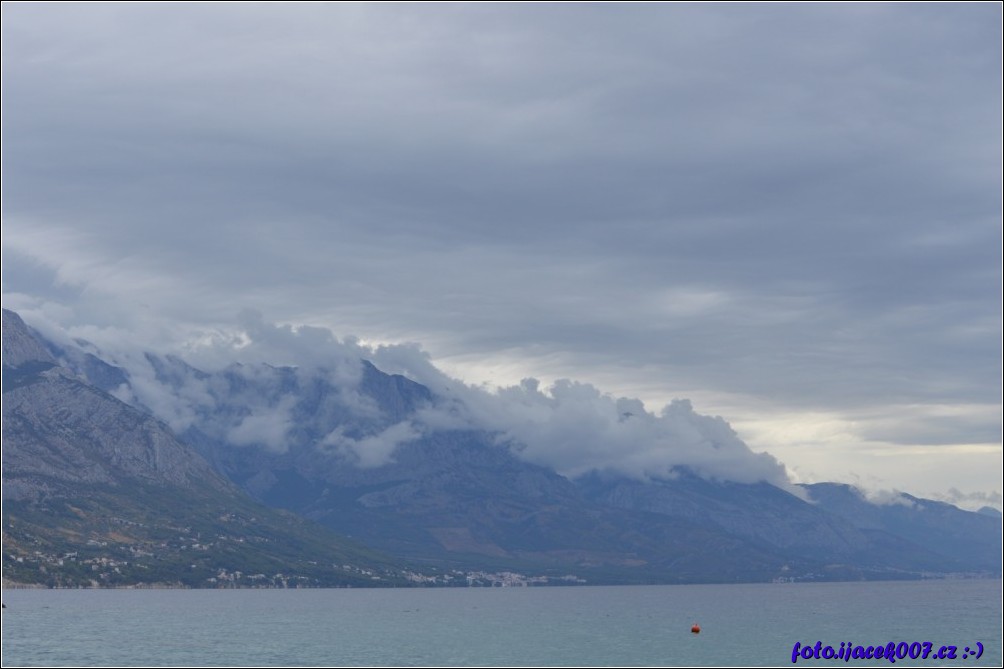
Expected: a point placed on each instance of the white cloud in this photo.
(574, 428)
(885, 497)
(373, 450)
(265, 426)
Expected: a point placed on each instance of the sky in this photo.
(789, 215)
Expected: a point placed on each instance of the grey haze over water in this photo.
(789, 215)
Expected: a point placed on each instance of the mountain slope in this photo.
(848, 538)
(964, 541)
(97, 492)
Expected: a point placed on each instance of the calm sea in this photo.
(571, 626)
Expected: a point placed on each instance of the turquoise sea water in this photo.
(570, 626)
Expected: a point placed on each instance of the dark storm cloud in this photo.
(794, 203)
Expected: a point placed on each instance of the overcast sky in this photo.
(788, 214)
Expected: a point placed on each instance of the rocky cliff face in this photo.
(68, 433)
(19, 345)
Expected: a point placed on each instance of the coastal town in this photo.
(485, 579)
(145, 565)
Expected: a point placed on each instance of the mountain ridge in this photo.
(98, 493)
(385, 460)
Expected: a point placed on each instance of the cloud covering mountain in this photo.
(571, 427)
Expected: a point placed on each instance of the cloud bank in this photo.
(575, 428)
(572, 427)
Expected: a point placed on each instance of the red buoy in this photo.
(696, 629)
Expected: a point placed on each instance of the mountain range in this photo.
(341, 473)
(99, 493)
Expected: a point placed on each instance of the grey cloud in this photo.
(562, 185)
(934, 426)
(311, 345)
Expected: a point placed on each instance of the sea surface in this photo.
(547, 626)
